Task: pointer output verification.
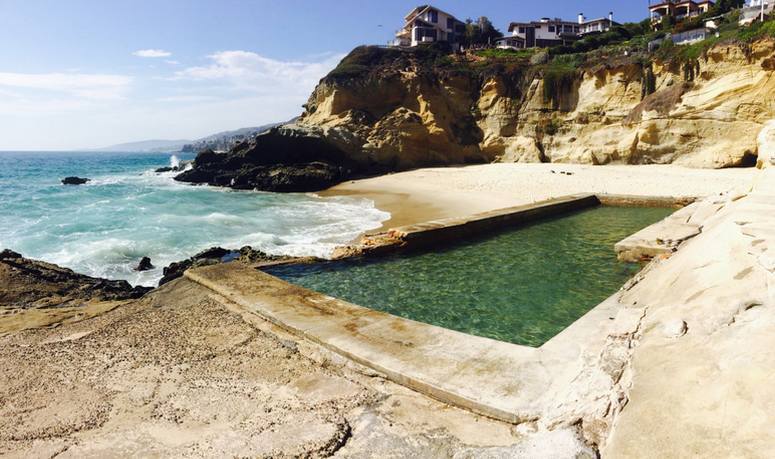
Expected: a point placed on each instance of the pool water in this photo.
(522, 286)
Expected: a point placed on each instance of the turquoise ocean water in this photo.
(127, 211)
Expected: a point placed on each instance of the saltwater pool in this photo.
(522, 286)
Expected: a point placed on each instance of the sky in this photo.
(90, 73)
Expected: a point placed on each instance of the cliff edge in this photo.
(389, 109)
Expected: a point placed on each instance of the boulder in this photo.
(74, 181)
(144, 265)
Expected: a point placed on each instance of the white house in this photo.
(596, 25)
(427, 24)
(552, 32)
(545, 32)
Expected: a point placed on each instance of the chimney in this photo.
(581, 18)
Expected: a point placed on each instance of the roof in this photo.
(592, 21)
(510, 37)
(423, 8)
(535, 23)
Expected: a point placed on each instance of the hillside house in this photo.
(543, 33)
(427, 24)
(677, 10)
(599, 25)
(553, 32)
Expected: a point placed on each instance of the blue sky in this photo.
(89, 73)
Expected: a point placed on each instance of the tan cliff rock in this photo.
(409, 117)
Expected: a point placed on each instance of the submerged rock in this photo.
(74, 180)
(144, 265)
(26, 283)
(215, 255)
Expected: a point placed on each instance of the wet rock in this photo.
(284, 159)
(74, 180)
(26, 283)
(215, 255)
(144, 265)
(166, 169)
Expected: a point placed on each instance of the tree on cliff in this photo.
(723, 6)
(481, 32)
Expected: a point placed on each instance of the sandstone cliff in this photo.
(386, 109)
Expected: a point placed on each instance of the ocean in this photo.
(127, 211)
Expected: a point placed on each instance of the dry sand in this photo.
(428, 194)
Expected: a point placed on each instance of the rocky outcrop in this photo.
(387, 110)
(29, 283)
(215, 255)
(144, 265)
(289, 158)
(74, 181)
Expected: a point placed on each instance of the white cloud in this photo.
(152, 53)
(172, 62)
(80, 85)
(250, 71)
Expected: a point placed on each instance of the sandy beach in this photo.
(428, 194)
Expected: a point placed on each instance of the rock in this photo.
(674, 328)
(287, 159)
(8, 254)
(215, 255)
(166, 169)
(766, 145)
(74, 181)
(144, 265)
(26, 283)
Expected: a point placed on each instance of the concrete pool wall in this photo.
(501, 380)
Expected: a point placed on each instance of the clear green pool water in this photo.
(522, 286)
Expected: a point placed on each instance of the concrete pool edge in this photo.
(462, 371)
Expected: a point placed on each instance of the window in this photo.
(450, 23)
(521, 30)
(551, 29)
(433, 16)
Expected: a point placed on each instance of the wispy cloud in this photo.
(81, 85)
(246, 70)
(152, 53)
(172, 62)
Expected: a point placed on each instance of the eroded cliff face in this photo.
(706, 114)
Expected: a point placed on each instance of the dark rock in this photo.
(26, 283)
(8, 254)
(215, 255)
(284, 159)
(144, 265)
(179, 168)
(74, 181)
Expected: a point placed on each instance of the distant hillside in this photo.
(220, 141)
(147, 145)
(223, 141)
